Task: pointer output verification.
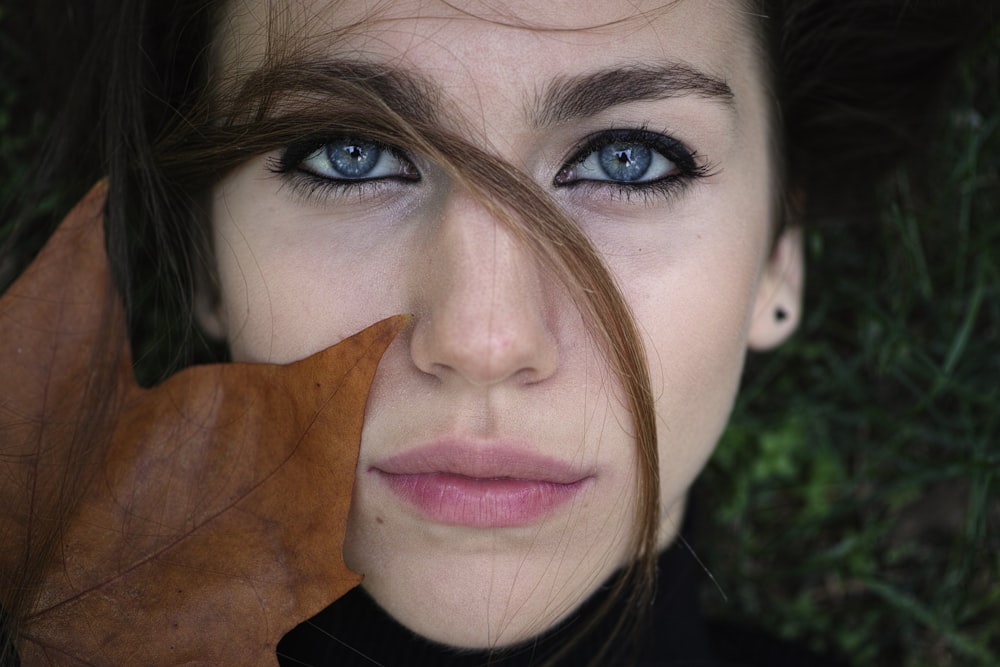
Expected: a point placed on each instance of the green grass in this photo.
(853, 502)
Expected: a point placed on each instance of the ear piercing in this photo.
(780, 314)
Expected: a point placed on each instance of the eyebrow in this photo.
(404, 92)
(563, 99)
(571, 98)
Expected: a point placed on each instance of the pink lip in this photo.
(495, 486)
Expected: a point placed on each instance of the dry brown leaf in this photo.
(214, 519)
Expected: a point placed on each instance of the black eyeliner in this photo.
(307, 184)
(293, 154)
(669, 147)
(685, 160)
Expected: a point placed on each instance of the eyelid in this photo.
(389, 164)
(689, 168)
(673, 150)
(295, 154)
(316, 188)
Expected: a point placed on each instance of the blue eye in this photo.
(624, 161)
(335, 165)
(351, 159)
(629, 158)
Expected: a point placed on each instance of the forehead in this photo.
(571, 16)
(503, 43)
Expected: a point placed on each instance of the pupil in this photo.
(353, 159)
(625, 161)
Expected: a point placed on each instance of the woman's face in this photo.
(496, 482)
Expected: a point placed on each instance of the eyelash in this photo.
(686, 162)
(310, 185)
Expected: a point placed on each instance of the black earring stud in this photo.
(780, 314)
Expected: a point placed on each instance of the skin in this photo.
(496, 353)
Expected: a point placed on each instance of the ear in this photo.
(778, 306)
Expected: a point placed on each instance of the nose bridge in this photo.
(485, 316)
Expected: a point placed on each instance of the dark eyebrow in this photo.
(404, 92)
(569, 98)
(563, 99)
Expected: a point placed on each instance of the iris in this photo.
(625, 161)
(352, 158)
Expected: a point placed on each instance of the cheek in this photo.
(288, 288)
(696, 369)
(694, 311)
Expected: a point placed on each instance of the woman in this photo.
(497, 481)
(592, 214)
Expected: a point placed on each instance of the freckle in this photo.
(318, 385)
(378, 519)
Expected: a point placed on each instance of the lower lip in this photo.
(480, 503)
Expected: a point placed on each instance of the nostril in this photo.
(485, 351)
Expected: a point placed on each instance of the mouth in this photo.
(480, 487)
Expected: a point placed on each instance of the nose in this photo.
(484, 315)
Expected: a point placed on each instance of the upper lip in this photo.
(476, 460)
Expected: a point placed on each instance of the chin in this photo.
(494, 613)
(483, 589)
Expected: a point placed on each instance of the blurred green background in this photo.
(853, 503)
(855, 499)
